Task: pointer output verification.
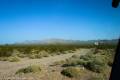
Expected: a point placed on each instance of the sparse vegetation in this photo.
(25, 50)
(13, 59)
(58, 63)
(29, 69)
(97, 77)
(3, 58)
(95, 65)
(35, 51)
(94, 62)
(98, 62)
(72, 72)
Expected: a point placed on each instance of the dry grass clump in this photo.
(38, 55)
(71, 72)
(30, 69)
(58, 63)
(11, 59)
(3, 58)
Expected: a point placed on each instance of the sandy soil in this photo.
(8, 69)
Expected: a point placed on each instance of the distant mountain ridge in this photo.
(62, 41)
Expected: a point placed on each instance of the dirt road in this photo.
(9, 68)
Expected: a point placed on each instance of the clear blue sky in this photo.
(22, 20)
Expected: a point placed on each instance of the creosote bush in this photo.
(29, 69)
(9, 50)
(10, 59)
(13, 59)
(95, 65)
(3, 58)
(95, 62)
(58, 63)
(71, 72)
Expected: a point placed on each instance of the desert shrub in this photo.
(110, 62)
(15, 52)
(8, 50)
(46, 55)
(96, 50)
(71, 51)
(91, 64)
(21, 55)
(70, 62)
(87, 57)
(77, 61)
(32, 56)
(58, 63)
(110, 56)
(42, 54)
(71, 72)
(13, 59)
(29, 69)
(96, 78)
(3, 58)
(58, 53)
(5, 52)
(38, 55)
(94, 62)
(82, 62)
(75, 56)
(95, 65)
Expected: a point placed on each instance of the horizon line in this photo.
(57, 39)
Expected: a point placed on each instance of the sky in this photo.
(22, 20)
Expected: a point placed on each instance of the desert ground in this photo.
(8, 69)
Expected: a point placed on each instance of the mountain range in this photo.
(63, 41)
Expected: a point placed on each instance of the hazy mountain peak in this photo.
(63, 41)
